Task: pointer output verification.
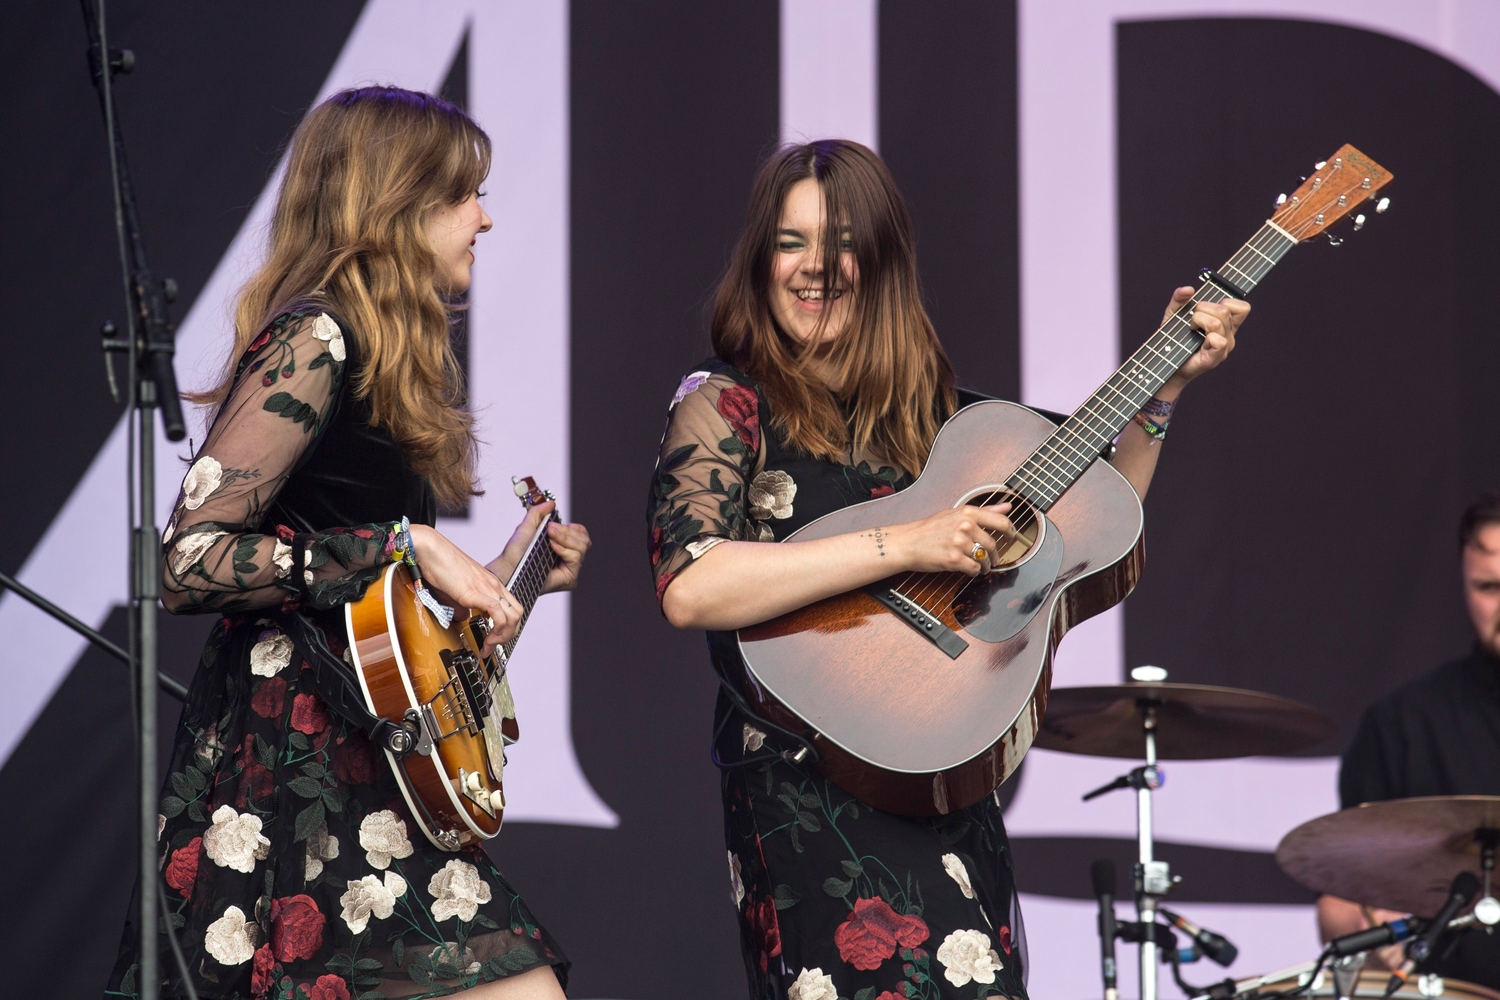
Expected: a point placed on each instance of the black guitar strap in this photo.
(339, 687)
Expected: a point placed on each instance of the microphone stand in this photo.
(150, 384)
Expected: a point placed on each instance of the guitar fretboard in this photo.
(526, 583)
(1073, 447)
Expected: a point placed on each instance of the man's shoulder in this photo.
(1444, 687)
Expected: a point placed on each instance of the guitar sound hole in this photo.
(1030, 524)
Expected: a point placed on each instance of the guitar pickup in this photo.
(921, 619)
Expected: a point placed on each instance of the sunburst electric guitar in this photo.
(455, 704)
(920, 694)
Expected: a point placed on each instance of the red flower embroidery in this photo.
(263, 972)
(296, 928)
(308, 714)
(270, 698)
(255, 784)
(882, 491)
(661, 586)
(354, 760)
(182, 870)
(870, 934)
(285, 534)
(738, 405)
(260, 341)
(1005, 940)
(328, 988)
(654, 546)
(764, 929)
(888, 995)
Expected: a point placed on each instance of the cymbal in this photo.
(1194, 722)
(1397, 855)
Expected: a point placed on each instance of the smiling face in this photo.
(1481, 569)
(800, 299)
(451, 231)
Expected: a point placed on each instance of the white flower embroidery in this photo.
(754, 738)
(447, 953)
(771, 494)
(161, 824)
(967, 955)
(325, 329)
(371, 897)
(383, 836)
(281, 558)
(271, 654)
(689, 385)
(954, 866)
(457, 890)
(321, 846)
(736, 883)
(235, 840)
(811, 984)
(208, 748)
(201, 480)
(699, 546)
(228, 938)
(763, 533)
(191, 547)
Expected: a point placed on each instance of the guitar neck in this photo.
(1045, 476)
(530, 576)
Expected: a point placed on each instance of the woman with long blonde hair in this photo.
(827, 387)
(290, 865)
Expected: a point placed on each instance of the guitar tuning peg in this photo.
(1335, 241)
(1359, 222)
(1382, 205)
(1280, 200)
(1320, 164)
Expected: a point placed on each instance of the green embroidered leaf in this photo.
(305, 787)
(182, 786)
(518, 958)
(787, 803)
(715, 484)
(196, 778)
(346, 548)
(952, 834)
(887, 893)
(852, 808)
(313, 769)
(331, 801)
(318, 362)
(809, 822)
(308, 820)
(785, 898)
(810, 800)
(796, 841)
(852, 868)
(371, 995)
(485, 922)
(196, 812)
(264, 752)
(172, 806)
(298, 740)
(339, 965)
(837, 888)
(867, 993)
(398, 951)
(677, 456)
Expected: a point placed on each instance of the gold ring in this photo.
(977, 553)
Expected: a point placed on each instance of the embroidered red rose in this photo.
(255, 784)
(764, 928)
(1005, 940)
(296, 928)
(870, 934)
(882, 491)
(182, 870)
(654, 545)
(328, 988)
(263, 972)
(888, 995)
(270, 698)
(738, 405)
(354, 760)
(661, 585)
(260, 341)
(308, 714)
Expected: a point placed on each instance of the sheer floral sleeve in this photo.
(709, 455)
(215, 556)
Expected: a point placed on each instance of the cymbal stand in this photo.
(1153, 879)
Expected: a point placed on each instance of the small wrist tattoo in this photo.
(879, 535)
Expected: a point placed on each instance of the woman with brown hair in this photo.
(827, 388)
(290, 864)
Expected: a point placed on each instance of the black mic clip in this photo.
(1146, 776)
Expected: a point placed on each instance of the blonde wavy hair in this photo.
(892, 382)
(364, 170)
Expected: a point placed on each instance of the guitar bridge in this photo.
(919, 618)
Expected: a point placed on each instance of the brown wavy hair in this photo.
(364, 170)
(890, 385)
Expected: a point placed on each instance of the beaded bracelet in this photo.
(402, 550)
(1162, 411)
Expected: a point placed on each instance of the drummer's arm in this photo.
(1337, 917)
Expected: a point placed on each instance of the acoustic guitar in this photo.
(921, 694)
(455, 704)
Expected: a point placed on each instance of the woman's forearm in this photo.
(735, 584)
(1136, 452)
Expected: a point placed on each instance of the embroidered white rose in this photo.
(235, 840)
(383, 836)
(771, 494)
(201, 480)
(688, 386)
(457, 890)
(321, 846)
(811, 984)
(736, 883)
(369, 897)
(954, 866)
(228, 940)
(754, 738)
(966, 956)
(191, 547)
(281, 558)
(271, 654)
(326, 330)
(698, 546)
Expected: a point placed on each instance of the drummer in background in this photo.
(1437, 735)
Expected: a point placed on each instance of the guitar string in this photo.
(1068, 451)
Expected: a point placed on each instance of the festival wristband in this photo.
(404, 551)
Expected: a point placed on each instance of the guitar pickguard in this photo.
(996, 606)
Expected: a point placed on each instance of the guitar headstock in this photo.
(530, 493)
(1339, 184)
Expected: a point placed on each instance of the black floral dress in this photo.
(291, 865)
(836, 899)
